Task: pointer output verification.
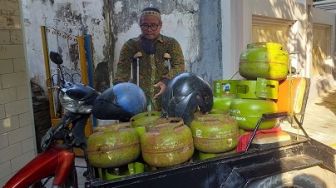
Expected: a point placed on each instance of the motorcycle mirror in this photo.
(56, 58)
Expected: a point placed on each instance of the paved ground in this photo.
(81, 179)
(320, 119)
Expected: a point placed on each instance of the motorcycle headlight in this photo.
(74, 105)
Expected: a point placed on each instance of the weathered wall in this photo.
(180, 20)
(72, 17)
(17, 141)
(212, 33)
(195, 24)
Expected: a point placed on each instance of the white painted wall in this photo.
(323, 17)
(17, 138)
(289, 10)
(238, 15)
(236, 34)
(233, 40)
(327, 81)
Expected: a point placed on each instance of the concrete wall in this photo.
(212, 33)
(180, 20)
(195, 24)
(17, 140)
(72, 17)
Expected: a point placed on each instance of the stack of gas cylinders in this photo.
(164, 142)
(145, 143)
(239, 104)
(263, 65)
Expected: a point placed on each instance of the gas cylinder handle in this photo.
(167, 124)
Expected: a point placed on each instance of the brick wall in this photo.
(17, 140)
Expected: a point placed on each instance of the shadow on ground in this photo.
(329, 101)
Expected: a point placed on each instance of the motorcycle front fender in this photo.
(55, 162)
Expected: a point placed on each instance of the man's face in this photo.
(150, 26)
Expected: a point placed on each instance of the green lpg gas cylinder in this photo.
(258, 89)
(264, 60)
(145, 119)
(168, 143)
(248, 111)
(224, 91)
(224, 87)
(221, 104)
(214, 133)
(113, 146)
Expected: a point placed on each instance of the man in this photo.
(151, 59)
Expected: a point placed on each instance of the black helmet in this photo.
(120, 102)
(184, 94)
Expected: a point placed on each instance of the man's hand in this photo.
(162, 89)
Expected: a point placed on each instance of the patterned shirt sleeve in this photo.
(177, 59)
(123, 73)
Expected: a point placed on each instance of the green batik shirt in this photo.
(152, 68)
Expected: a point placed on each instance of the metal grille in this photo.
(325, 4)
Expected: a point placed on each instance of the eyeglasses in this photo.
(153, 27)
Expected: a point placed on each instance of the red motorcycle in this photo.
(57, 159)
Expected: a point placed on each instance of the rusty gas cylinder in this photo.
(214, 133)
(168, 143)
(113, 146)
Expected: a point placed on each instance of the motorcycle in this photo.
(79, 101)
(57, 161)
(57, 158)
